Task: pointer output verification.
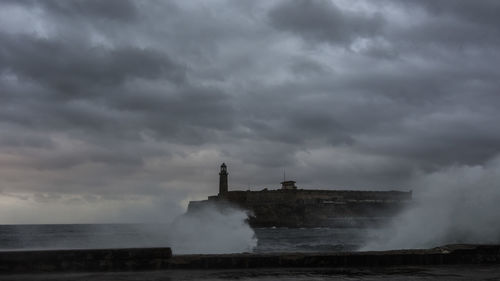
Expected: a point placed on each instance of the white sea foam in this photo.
(456, 205)
(211, 230)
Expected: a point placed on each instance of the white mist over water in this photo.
(206, 231)
(456, 205)
(211, 230)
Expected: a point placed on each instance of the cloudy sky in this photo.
(116, 111)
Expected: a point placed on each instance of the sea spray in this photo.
(212, 229)
(455, 205)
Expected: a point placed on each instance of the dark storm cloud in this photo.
(72, 68)
(454, 24)
(121, 10)
(19, 141)
(481, 12)
(282, 116)
(95, 77)
(323, 20)
(133, 99)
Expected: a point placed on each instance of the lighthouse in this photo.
(223, 179)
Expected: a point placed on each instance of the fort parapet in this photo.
(293, 207)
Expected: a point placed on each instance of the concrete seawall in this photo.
(84, 260)
(162, 259)
(446, 255)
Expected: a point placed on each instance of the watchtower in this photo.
(288, 185)
(223, 179)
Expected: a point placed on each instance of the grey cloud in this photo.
(440, 143)
(299, 127)
(307, 68)
(324, 21)
(120, 157)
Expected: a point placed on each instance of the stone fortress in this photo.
(294, 207)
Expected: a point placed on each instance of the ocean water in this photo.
(73, 236)
(82, 236)
(310, 239)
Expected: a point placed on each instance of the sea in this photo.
(81, 236)
(92, 236)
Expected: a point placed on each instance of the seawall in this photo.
(135, 259)
(446, 255)
(162, 259)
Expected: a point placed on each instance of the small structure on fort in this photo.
(288, 185)
(293, 207)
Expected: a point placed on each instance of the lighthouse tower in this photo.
(223, 179)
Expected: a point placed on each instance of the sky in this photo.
(123, 111)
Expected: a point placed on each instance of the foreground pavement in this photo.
(445, 272)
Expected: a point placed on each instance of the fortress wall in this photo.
(314, 196)
(260, 196)
(309, 208)
(355, 195)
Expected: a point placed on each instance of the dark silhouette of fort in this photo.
(294, 207)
